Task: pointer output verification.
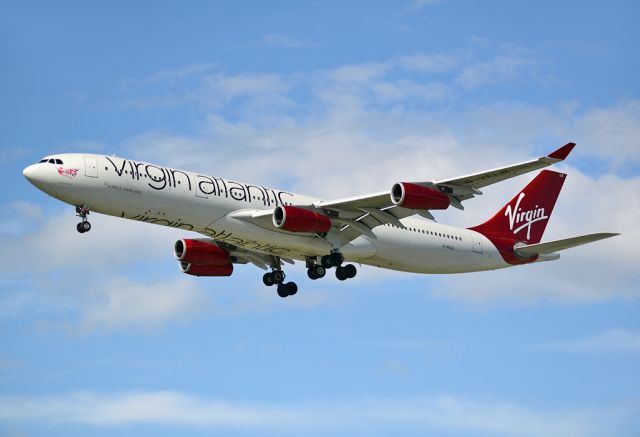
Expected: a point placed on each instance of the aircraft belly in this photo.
(425, 254)
(249, 236)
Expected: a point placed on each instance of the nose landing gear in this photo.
(82, 211)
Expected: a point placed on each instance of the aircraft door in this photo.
(91, 166)
(477, 242)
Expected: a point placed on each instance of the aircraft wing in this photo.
(240, 255)
(458, 188)
(355, 216)
(489, 177)
(377, 208)
(557, 245)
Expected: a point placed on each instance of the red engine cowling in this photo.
(200, 252)
(206, 270)
(294, 219)
(415, 196)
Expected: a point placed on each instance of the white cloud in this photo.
(123, 303)
(433, 63)
(436, 414)
(183, 72)
(252, 85)
(19, 216)
(359, 73)
(614, 340)
(613, 133)
(52, 242)
(498, 70)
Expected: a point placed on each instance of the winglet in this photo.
(562, 152)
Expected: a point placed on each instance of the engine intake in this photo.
(206, 270)
(200, 252)
(294, 219)
(415, 196)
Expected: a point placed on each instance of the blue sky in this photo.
(101, 334)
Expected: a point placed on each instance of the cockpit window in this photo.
(51, 161)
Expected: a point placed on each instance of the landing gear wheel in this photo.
(82, 211)
(278, 276)
(350, 271)
(336, 259)
(316, 272)
(288, 289)
(282, 291)
(267, 279)
(292, 288)
(341, 274)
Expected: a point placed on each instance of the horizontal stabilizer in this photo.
(526, 251)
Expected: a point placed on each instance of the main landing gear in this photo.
(277, 277)
(335, 259)
(314, 270)
(82, 211)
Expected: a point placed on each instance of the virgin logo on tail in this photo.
(517, 216)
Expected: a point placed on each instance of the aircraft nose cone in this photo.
(36, 175)
(29, 173)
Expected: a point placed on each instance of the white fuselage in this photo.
(155, 194)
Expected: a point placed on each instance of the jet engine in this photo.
(206, 269)
(294, 219)
(200, 252)
(202, 258)
(415, 196)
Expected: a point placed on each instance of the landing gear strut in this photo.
(82, 211)
(277, 277)
(315, 271)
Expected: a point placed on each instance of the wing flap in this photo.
(529, 250)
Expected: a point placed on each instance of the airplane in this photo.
(245, 223)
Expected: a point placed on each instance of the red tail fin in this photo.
(525, 217)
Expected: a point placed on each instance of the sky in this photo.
(101, 334)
